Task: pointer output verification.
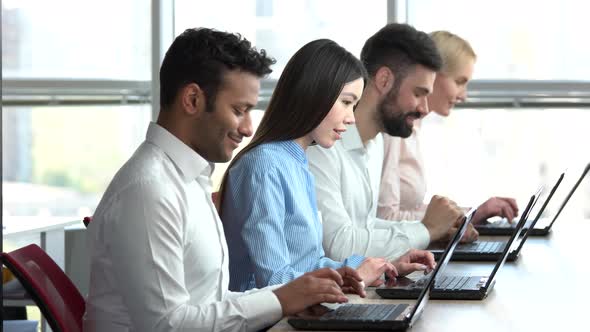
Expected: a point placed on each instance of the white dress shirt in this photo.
(158, 252)
(347, 183)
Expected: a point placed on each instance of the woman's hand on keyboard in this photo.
(496, 207)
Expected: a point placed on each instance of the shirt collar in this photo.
(351, 139)
(190, 164)
(294, 149)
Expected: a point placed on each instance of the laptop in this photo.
(376, 317)
(488, 250)
(450, 287)
(544, 229)
(506, 228)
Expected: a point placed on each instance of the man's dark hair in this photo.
(202, 56)
(399, 47)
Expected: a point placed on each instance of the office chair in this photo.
(58, 299)
(87, 221)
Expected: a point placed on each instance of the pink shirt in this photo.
(403, 186)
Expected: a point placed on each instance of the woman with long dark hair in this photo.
(268, 201)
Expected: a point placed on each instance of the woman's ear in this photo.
(384, 80)
(193, 99)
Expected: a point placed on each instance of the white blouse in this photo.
(403, 186)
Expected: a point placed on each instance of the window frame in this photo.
(482, 93)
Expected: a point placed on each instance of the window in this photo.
(282, 27)
(107, 39)
(526, 39)
(526, 106)
(58, 160)
(76, 82)
(475, 154)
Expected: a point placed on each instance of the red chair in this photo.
(59, 300)
(87, 221)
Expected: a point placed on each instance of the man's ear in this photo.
(384, 80)
(193, 99)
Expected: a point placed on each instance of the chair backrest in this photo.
(59, 300)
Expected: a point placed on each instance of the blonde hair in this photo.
(453, 49)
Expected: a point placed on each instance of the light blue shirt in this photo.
(270, 217)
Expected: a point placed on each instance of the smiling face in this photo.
(217, 132)
(340, 115)
(406, 102)
(451, 88)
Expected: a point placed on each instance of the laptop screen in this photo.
(443, 261)
(567, 198)
(522, 237)
(542, 209)
(514, 235)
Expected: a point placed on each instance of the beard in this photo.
(395, 121)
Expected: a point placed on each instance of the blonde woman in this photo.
(403, 186)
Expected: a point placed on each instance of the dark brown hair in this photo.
(306, 91)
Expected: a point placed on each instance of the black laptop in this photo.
(450, 287)
(376, 317)
(488, 250)
(540, 230)
(506, 228)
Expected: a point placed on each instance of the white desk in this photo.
(546, 289)
(49, 231)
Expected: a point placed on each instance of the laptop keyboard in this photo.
(497, 221)
(453, 282)
(366, 312)
(483, 246)
(444, 282)
(499, 225)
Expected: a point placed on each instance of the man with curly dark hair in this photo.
(159, 257)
